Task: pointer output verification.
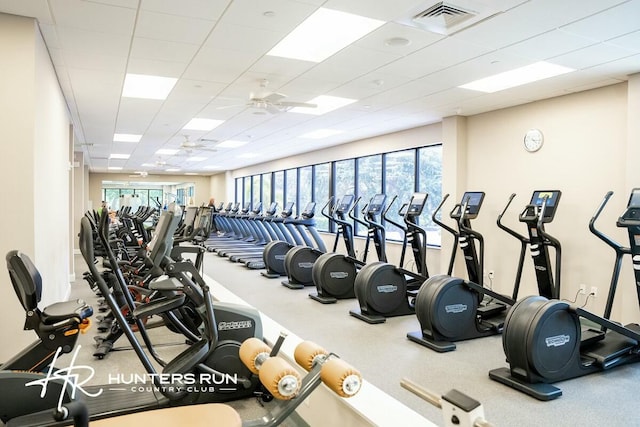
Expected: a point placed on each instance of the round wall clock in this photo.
(533, 140)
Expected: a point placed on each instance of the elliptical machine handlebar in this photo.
(592, 227)
(324, 209)
(504, 227)
(475, 234)
(389, 220)
(353, 207)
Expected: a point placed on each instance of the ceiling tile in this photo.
(91, 16)
(162, 50)
(629, 41)
(591, 56)
(287, 14)
(181, 29)
(548, 45)
(242, 38)
(608, 24)
(80, 42)
(156, 67)
(204, 9)
(38, 9)
(217, 65)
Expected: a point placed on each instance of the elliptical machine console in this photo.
(543, 339)
(385, 290)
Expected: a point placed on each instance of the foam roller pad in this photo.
(306, 352)
(280, 378)
(341, 377)
(250, 350)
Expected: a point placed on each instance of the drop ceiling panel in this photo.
(619, 68)
(137, 113)
(38, 9)
(194, 91)
(163, 50)
(242, 38)
(272, 66)
(383, 10)
(95, 61)
(287, 14)
(548, 45)
(80, 42)
(379, 39)
(156, 67)
(629, 41)
(174, 28)
(217, 65)
(190, 8)
(95, 17)
(591, 56)
(553, 13)
(608, 24)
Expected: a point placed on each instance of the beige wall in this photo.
(584, 157)
(34, 147)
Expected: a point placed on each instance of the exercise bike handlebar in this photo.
(504, 227)
(592, 227)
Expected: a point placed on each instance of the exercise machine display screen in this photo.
(473, 199)
(345, 203)
(310, 208)
(417, 203)
(257, 207)
(552, 197)
(288, 209)
(273, 207)
(634, 199)
(377, 204)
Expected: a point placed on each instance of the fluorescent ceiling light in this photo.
(172, 170)
(119, 156)
(202, 124)
(248, 155)
(321, 133)
(232, 144)
(322, 34)
(191, 173)
(196, 159)
(520, 76)
(325, 103)
(126, 137)
(115, 168)
(147, 87)
(167, 151)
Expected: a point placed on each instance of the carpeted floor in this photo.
(384, 355)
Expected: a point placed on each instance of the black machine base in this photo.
(270, 275)
(540, 391)
(290, 285)
(372, 319)
(322, 299)
(439, 346)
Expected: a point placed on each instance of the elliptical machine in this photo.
(333, 273)
(452, 309)
(543, 340)
(385, 290)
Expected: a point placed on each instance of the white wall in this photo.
(34, 148)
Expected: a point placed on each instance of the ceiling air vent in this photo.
(443, 17)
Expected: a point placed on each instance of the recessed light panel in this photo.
(322, 34)
(325, 104)
(167, 151)
(202, 124)
(119, 156)
(126, 137)
(147, 87)
(520, 76)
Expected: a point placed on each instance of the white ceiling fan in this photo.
(139, 174)
(188, 146)
(271, 102)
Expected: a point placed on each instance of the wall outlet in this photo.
(583, 289)
(594, 291)
(491, 274)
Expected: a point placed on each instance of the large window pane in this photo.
(239, 191)
(257, 189)
(155, 198)
(430, 181)
(266, 189)
(292, 187)
(246, 198)
(321, 192)
(278, 188)
(369, 184)
(400, 181)
(345, 178)
(304, 188)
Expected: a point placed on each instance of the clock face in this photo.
(533, 140)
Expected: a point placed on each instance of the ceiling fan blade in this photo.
(274, 98)
(273, 109)
(224, 107)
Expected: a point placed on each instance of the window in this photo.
(278, 188)
(291, 192)
(400, 181)
(369, 184)
(321, 192)
(398, 173)
(430, 181)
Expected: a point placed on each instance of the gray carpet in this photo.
(384, 356)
